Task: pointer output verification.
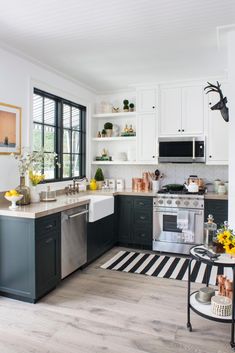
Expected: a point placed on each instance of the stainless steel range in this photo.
(178, 221)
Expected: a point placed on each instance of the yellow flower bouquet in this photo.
(226, 238)
(35, 178)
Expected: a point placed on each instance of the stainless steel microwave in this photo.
(181, 150)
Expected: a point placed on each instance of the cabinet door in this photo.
(218, 134)
(146, 100)
(193, 110)
(47, 262)
(171, 110)
(125, 212)
(147, 137)
(219, 210)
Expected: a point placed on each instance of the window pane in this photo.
(75, 118)
(66, 115)
(66, 141)
(75, 141)
(75, 165)
(66, 165)
(49, 111)
(49, 166)
(37, 108)
(49, 139)
(37, 137)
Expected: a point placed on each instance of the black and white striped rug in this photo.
(162, 266)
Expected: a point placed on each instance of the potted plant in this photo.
(132, 107)
(35, 179)
(108, 129)
(99, 177)
(126, 105)
(103, 133)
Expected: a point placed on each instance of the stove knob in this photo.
(186, 203)
(177, 202)
(169, 202)
(160, 202)
(195, 203)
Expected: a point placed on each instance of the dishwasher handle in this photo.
(78, 214)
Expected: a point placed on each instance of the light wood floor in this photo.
(98, 310)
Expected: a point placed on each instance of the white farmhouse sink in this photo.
(100, 206)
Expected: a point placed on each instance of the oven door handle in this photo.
(194, 142)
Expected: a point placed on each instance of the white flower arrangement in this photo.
(34, 161)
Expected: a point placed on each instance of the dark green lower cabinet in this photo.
(29, 256)
(219, 210)
(101, 237)
(135, 221)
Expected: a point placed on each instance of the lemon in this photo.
(14, 192)
(8, 193)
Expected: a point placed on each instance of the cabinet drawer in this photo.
(143, 217)
(142, 236)
(47, 224)
(143, 202)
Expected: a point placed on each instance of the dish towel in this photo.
(189, 234)
(183, 219)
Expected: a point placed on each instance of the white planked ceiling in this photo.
(109, 44)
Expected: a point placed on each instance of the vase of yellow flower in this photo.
(35, 179)
(226, 238)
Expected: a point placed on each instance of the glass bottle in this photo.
(23, 190)
(210, 229)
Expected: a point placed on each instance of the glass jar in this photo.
(210, 232)
(23, 190)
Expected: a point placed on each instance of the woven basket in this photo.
(221, 306)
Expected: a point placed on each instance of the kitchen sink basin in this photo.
(100, 206)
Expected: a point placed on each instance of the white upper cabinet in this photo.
(193, 110)
(182, 111)
(218, 132)
(170, 111)
(147, 137)
(146, 100)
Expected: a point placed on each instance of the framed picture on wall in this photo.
(10, 129)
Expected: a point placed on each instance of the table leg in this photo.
(207, 274)
(189, 326)
(233, 313)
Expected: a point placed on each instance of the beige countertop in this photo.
(63, 202)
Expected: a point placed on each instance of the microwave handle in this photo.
(193, 148)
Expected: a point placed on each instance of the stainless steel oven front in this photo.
(168, 237)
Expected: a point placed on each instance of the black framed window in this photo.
(59, 126)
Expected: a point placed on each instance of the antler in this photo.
(214, 88)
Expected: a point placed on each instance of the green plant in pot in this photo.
(132, 107)
(108, 129)
(103, 133)
(99, 177)
(126, 105)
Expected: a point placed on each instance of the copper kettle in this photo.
(196, 180)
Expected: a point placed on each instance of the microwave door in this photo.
(176, 151)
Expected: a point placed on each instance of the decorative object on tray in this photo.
(109, 129)
(126, 105)
(10, 129)
(104, 156)
(48, 195)
(225, 286)
(226, 238)
(128, 131)
(13, 196)
(221, 306)
(115, 110)
(210, 232)
(131, 107)
(204, 295)
(93, 185)
(103, 133)
(99, 178)
(35, 179)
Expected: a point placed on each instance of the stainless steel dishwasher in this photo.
(73, 239)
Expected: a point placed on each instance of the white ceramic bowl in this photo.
(13, 200)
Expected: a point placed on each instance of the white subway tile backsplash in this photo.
(174, 173)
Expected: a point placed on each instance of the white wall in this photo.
(17, 79)
(231, 79)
